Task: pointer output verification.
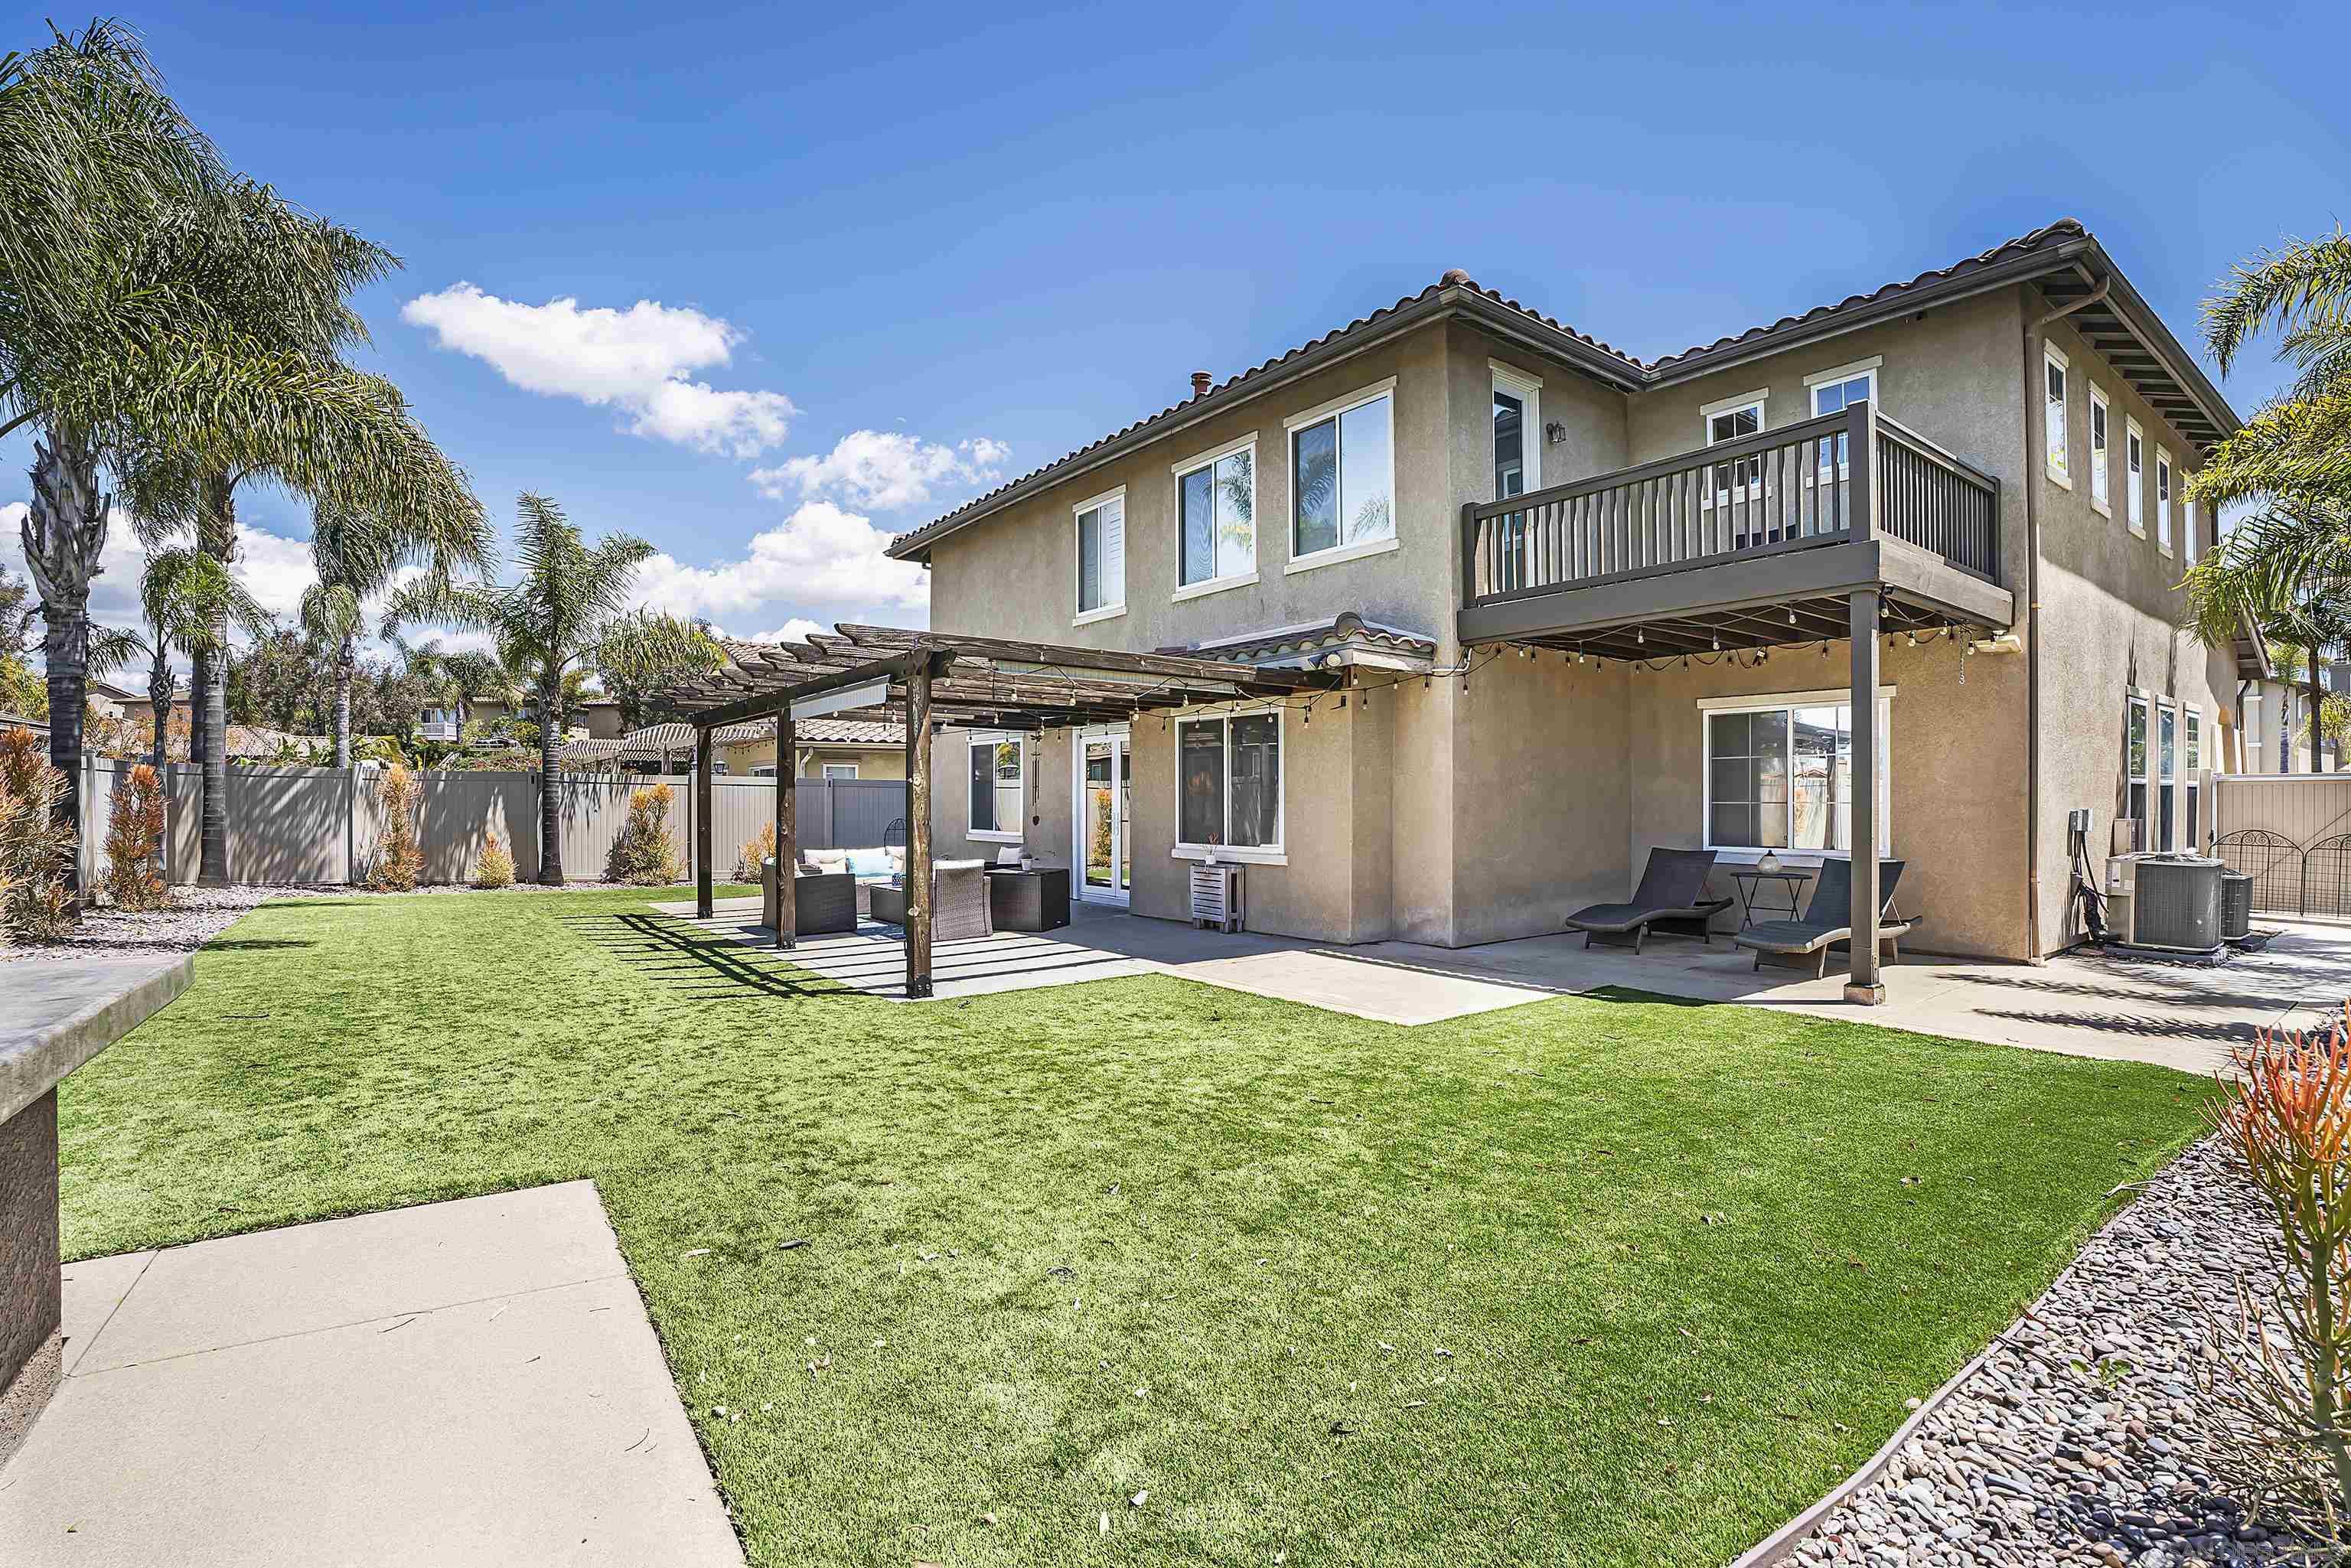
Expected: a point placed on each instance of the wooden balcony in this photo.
(1749, 543)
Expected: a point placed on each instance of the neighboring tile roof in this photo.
(676, 737)
(2062, 230)
(1314, 642)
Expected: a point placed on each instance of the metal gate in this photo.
(2290, 832)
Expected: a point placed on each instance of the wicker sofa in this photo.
(863, 866)
(822, 902)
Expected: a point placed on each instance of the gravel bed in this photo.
(197, 915)
(2080, 1440)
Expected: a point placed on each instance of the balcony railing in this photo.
(1829, 480)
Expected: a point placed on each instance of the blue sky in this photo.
(985, 239)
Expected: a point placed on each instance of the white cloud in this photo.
(636, 360)
(883, 469)
(796, 629)
(821, 556)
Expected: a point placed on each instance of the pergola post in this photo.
(1863, 985)
(702, 738)
(787, 831)
(918, 826)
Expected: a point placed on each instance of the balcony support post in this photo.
(1861, 610)
(1861, 464)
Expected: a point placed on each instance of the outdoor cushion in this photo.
(1009, 855)
(827, 860)
(870, 862)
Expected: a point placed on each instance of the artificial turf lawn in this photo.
(1591, 1281)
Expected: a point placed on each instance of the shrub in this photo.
(762, 847)
(496, 868)
(134, 842)
(2282, 1377)
(398, 859)
(642, 854)
(36, 850)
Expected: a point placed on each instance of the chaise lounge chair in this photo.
(1672, 893)
(1828, 918)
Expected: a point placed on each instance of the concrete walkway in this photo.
(472, 1381)
(2174, 1015)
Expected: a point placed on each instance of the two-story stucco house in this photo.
(1586, 605)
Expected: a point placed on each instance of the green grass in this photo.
(1071, 1245)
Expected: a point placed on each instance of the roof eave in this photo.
(2160, 339)
(1450, 301)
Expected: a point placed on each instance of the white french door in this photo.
(1105, 792)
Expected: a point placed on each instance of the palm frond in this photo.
(2304, 282)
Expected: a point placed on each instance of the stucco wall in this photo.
(1014, 574)
(2110, 612)
(872, 762)
(1045, 791)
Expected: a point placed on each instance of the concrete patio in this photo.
(2175, 1015)
(472, 1381)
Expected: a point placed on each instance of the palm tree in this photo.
(135, 280)
(569, 608)
(188, 597)
(358, 554)
(2300, 446)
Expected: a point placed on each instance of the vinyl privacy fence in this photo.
(323, 825)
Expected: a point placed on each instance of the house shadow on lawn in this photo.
(679, 956)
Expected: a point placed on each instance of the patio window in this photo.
(1216, 500)
(997, 768)
(1779, 775)
(1101, 557)
(2101, 456)
(1229, 784)
(2193, 719)
(2167, 759)
(2135, 477)
(1342, 478)
(2135, 766)
(1835, 391)
(2163, 500)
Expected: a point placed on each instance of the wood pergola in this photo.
(928, 681)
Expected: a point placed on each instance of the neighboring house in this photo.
(110, 699)
(599, 717)
(2277, 723)
(1650, 648)
(823, 748)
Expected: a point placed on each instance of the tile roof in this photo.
(1313, 642)
(678, 737)
(1635, 372)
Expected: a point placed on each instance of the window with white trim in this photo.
(1730, 420)
(1518, 466)
(763, 770)
(1101, 526)
(2135, 476)
(1779, 775)
(2134, 770)
(2163, 500)
(1342, 476)
(841, 770)
(2054, 368)
(2166, 778)
(2192, 721)
(1833, 392)
(2192, 532)
(1229, 782)
(998, 770)
(2101, 457)
(1216, 507)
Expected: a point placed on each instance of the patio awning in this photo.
(926, 681)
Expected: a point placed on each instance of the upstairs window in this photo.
(1835, 391)
(1216, 499)
(2101, 458)
(2192, 532)
(2135, 478)
(2163, 500)
(1518, 461)
(1342, 476)
(2054, 368)
(1728, 421)
(1101, 557)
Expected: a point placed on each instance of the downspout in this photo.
(2034, 395)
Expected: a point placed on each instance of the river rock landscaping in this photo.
(2080, 1439)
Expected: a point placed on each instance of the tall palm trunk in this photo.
(550, 831)
(346, 656)
(200, 686)
(216, 537)
(64, 533)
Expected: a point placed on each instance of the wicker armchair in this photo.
(820, 904)
(960, 907)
